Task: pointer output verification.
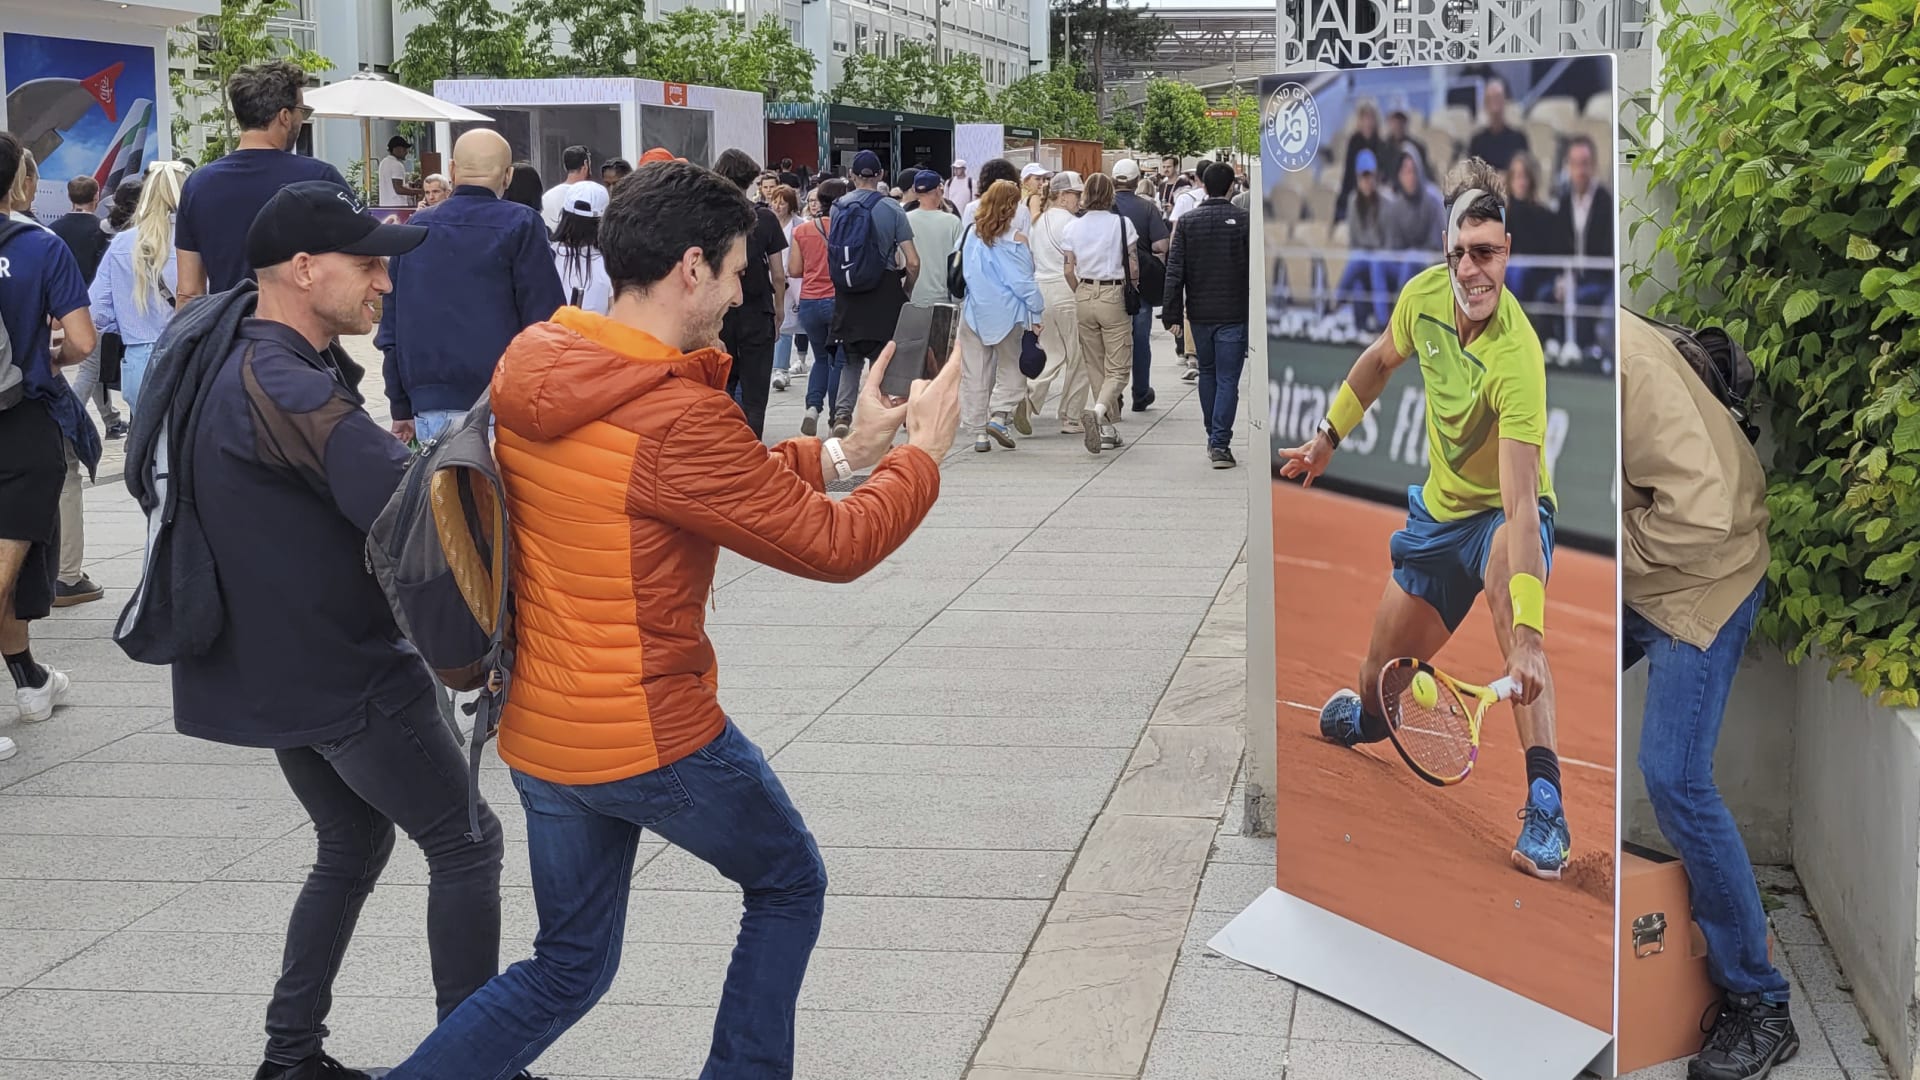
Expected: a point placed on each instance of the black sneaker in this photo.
(1745, 1040)
(318, 1067)
(83, 591)
(842, 425)
(1221, 457)
(117, 429)
(1144, 401)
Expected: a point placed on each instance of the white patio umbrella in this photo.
(371, 96)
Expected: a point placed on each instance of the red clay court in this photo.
(1360, 835)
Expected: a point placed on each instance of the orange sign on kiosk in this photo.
(676, 94)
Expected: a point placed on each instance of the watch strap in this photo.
(838, 454)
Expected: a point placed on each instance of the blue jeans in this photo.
(1142, 353)
(1687, 691)
(430, 424)
(133, 371)
(723, 805)
(823, 378)
(1222, 352)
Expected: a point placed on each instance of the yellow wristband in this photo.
(1346, 412)
(1529, 602)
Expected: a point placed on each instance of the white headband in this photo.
(1460, 207)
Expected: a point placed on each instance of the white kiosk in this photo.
(610, 117)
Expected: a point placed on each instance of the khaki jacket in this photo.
(1693, 498)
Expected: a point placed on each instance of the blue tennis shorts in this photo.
(1445, 562)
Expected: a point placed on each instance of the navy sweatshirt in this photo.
(484, 273)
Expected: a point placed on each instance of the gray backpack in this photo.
(442, 552)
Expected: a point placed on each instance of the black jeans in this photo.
(749, 336)
(403, 768)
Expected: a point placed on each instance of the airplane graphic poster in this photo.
(84, 108)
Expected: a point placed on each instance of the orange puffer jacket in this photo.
(627, 468)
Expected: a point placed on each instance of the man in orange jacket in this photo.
(627, 468)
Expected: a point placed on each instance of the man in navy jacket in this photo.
(484, 274)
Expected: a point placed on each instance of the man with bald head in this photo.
(484, 274)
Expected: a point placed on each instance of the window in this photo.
(859, 37)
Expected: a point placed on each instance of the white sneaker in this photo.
(37, 705)
(7, 749)
(780, 380)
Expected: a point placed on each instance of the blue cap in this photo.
(926, 180)
(866, 163)
(1364, 162)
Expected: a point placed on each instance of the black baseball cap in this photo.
(399, 140)
(320, 217)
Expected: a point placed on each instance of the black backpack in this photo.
(12, 380)
(1722, 364)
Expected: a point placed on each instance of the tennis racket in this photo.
(1439, 742)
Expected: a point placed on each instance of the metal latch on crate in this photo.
(1649, 935)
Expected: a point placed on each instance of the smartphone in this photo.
(922, 342)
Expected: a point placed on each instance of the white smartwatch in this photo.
(841, 466)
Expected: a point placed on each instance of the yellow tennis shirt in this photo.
(1475, 397)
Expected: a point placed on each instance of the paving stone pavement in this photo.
(1027, 712)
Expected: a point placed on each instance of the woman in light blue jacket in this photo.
(132, 295)
(1002, 303)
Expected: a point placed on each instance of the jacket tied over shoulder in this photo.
(176, 611)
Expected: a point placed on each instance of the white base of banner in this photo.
(1484, 1028)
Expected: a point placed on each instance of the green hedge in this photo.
(1794, 154)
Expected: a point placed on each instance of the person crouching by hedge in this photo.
(1694, 520)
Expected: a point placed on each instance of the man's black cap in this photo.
(320, 217)
(399, 140)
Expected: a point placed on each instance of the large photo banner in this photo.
(84, 108)
(1439, 249)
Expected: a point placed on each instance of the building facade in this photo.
(1008, 37)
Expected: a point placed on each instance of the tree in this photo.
(910, 80)
(465, 37)
(709, 48)
(215, 47)
(1246, 126)
(1792, 197)
(1103, 31)
(1053, 102)
(600, 37)
(1123, 130)
(875, 82)
(1175, 119)
(958, 89)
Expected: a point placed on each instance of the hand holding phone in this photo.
(876, 417)
(933, 409)
(923, 340)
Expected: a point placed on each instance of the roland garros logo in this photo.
(1290, 127)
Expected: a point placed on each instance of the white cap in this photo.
(1034, 168)
(959, 164)
(1126, 169)
(1066, 181)
(587, 199)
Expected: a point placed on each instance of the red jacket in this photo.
(627, 468)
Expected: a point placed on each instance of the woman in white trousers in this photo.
(1061, 339)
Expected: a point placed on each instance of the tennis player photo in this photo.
(1440, 248)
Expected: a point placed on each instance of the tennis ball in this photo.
(1425, 690)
